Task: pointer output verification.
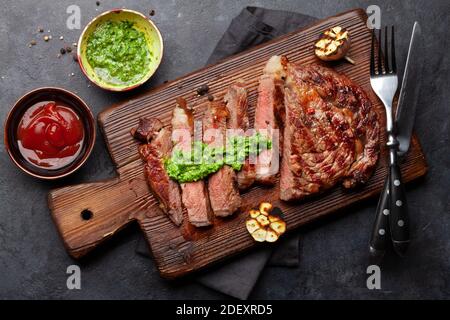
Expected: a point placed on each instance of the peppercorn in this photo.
(152, 13)
(62, 50)
(203, 89)
(210, 97)
(69, 49)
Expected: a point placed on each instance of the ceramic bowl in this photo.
(30, 99)
(141, 23)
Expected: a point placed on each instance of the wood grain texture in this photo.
(178, 251)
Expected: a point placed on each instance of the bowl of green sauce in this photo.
(120, 49)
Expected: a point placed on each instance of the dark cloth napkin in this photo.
(238, 276)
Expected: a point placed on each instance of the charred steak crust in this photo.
(222, 187)
(147, 129)
(153, 153)
(194, 195)
(331, 132)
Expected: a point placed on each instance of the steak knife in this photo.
(392, 220)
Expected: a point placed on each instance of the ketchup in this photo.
(50, 135)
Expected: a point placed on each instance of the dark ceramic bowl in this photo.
(49, 94)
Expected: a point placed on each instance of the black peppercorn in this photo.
(203, 89)
(62, 50)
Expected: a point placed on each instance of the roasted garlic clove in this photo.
(263, 220)
(274, 218)
(333, 44)
(254, 213)
(259, 235)
(252, 225)
(279, 227)
(271, 236)
(265, 208)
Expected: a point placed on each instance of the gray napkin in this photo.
(238, 276)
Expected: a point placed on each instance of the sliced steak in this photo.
(163, 188)
(269, 108)
(157, 148)
(236, 100)
(222, 186)
(330, 132)
(194, 194)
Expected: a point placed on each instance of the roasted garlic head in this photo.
(263, 226)
(333, 44)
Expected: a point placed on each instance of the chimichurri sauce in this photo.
(118, 52)
(204, 160)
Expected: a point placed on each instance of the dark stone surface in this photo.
(334, 252)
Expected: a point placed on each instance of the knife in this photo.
(391, 220)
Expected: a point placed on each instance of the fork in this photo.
(392, 214)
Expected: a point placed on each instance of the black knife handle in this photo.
(398, 215)
(379, 240)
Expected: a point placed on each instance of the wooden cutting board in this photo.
(87, 214)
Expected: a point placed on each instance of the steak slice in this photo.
(194, 194)
(163, 188)
(236, 100)
(222, 186)
(269, 108)
(330, 132)
(147, 129)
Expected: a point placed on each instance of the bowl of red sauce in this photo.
(49, 133)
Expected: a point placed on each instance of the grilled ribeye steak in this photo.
(330, 132)
(154, 153)
(236, 100)
(269, 108)
(222, 186)
(194, 194)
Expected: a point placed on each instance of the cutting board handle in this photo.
(87, 214)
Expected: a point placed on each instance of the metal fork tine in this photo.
(372, 54)
(386, 55)
(380, 66)
(393, 63)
